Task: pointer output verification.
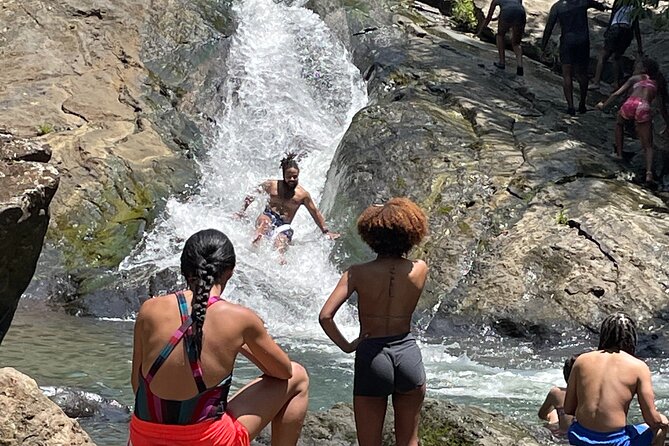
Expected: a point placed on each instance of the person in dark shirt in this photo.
(574, 45)
(623, 27)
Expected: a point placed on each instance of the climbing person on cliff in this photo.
(286, 197)
(644, 86)
(181, 388)
(602, 385)
(572, 15)
(623, 27)
(387, 359)
(511, 16)
(552, 410)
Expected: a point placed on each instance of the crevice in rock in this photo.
(96, 12)
(512, 193)
(571, 178)
(576, 225)
(366, 31)
(65, 110)
(31, 16)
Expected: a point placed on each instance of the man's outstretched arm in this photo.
(550, 24)
(318, 217)
(250, 198)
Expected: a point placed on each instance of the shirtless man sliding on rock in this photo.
(603, 383)
(285, 198)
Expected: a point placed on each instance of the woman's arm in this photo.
(618, 92)
(339, 295)
(260, 348)
(137, 348)
(488, 18)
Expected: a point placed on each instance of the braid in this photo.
(203, 284)
(618, 332)
(207, 255)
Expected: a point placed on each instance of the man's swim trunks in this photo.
(637, 109)
(618, 38)
(639, 435)
(387, 365)
(279, 226)
(225, 431)
(575, 54)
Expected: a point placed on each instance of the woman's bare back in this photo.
(388, 290)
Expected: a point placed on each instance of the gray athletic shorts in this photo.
(387, 365)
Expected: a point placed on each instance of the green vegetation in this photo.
(44, 129)
(561, 217)
(463, 14)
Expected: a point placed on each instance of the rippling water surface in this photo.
(290, 86)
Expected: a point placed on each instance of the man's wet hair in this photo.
(392, 229)
(290, 160)
(618, 332)
(568, 365)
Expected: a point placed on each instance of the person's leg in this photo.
(516, 36)
(370, 412)
(660, 436)
(502, 29)
(567, 86)
(644, 132)
(407, 414)
(604, 55)
(617, 70)
(270, 400)
(263, 226)
(620, 134)
(582, 77)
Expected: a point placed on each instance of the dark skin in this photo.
(601, 387)
(286, 197)
(388, 290)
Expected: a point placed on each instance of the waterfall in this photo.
(289, 86)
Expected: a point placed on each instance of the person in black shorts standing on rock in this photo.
(623, 27)
(511, 16)
(574, 45)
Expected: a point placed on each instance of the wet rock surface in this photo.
(29, 418)
(27, 185)
(123, 93)
(535, 229)
(442, 424)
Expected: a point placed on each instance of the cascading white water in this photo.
(289, 87)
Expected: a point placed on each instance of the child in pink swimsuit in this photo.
(645, 85)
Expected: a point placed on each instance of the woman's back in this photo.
(643, 87)
(388, 290)
(159, 319)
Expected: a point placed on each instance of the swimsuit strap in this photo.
(169, 347)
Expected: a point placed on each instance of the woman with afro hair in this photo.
(388, 360)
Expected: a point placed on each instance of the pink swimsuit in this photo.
(637, 108)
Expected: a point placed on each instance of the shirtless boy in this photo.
(285, 198)
(552, 410)
(602, 385)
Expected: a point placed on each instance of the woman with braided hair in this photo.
(181, 388)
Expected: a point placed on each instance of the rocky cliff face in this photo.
(27, 185)
(28, 418)
(112, 87)
(535, 228)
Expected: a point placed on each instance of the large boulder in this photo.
(27, 185)
(28, 418)
(535, 229)
(124, 93)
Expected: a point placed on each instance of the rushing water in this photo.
(290, 86)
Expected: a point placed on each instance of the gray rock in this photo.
(28, 418)
(26, 189)
(535, 230)
(442, 424)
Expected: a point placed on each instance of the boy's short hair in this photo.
(568, 364)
